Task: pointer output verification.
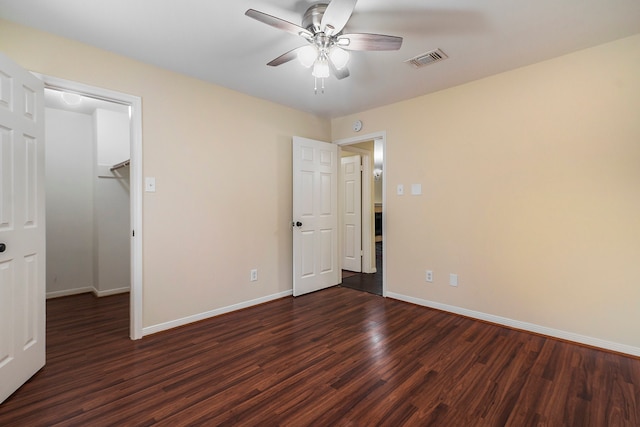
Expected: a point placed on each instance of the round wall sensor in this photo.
(357, 125)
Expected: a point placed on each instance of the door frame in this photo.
(135, 182)
(382, 137)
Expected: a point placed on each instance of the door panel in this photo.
(22, 279)
(327, 263)
(351, 181)
(6, 174)
(315, 201)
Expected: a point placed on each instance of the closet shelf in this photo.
(120, 165)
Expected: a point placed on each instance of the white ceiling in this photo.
(214, 41)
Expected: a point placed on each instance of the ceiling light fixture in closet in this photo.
(71, 98)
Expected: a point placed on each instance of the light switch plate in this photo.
(453, 279)
(150, 184)
(416, 189)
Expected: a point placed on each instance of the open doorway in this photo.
(370, 148)
(87, 197)
(100, 157)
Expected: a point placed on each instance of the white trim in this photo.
(110, 292)
(135, 180)
(525, 326)
(382, 135)
(376, 136)
(87, 290)
(212, 313)
(135, 177)
(68, 292)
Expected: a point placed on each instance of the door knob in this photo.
(3, 247)
(297, 224)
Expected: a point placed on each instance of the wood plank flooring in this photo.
(338, 357)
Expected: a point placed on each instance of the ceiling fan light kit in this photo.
(327, 51)
(307, 55)
(321, 69)
(339, 57)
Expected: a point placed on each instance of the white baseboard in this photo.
(525, 326)
(88, 289)
(67, 292)
(111, 291)
(201, 316)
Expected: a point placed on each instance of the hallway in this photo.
(371, 283)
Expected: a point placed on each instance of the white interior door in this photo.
(351, 182)
(22, 232)
(315, 215)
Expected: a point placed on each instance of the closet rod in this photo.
(120, 165)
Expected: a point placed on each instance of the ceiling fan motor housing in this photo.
(313, 17)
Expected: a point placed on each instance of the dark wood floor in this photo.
(337, 357)
(371, 282)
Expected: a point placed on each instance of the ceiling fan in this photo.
(327, 48)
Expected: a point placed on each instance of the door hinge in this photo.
(361, 168)
(133, 233)
(361, 253)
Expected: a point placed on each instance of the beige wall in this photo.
(531, 187)
(531, 193)
(222, 162)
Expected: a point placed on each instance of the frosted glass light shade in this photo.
(71, 98)
(321, 69)
(307, 55)
(339, 57)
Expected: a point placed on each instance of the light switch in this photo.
(150, 184)
(416, 189)
(400, 190)
(453, 279)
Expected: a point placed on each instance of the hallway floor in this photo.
(371, 283)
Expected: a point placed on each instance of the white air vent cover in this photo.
(427, 58)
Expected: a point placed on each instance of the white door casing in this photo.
(351, 183)
(347, 142)
(22, 226)
(315, 215)
(135, 181)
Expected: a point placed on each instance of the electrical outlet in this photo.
(254, 275)
(429, 276)
(453, 279)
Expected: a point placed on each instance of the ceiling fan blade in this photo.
(336, 16)
(285, 57)
(280, 24)
(363, 41)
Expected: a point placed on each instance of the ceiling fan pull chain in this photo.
(315, 85)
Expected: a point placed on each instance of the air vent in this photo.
(427, 58)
